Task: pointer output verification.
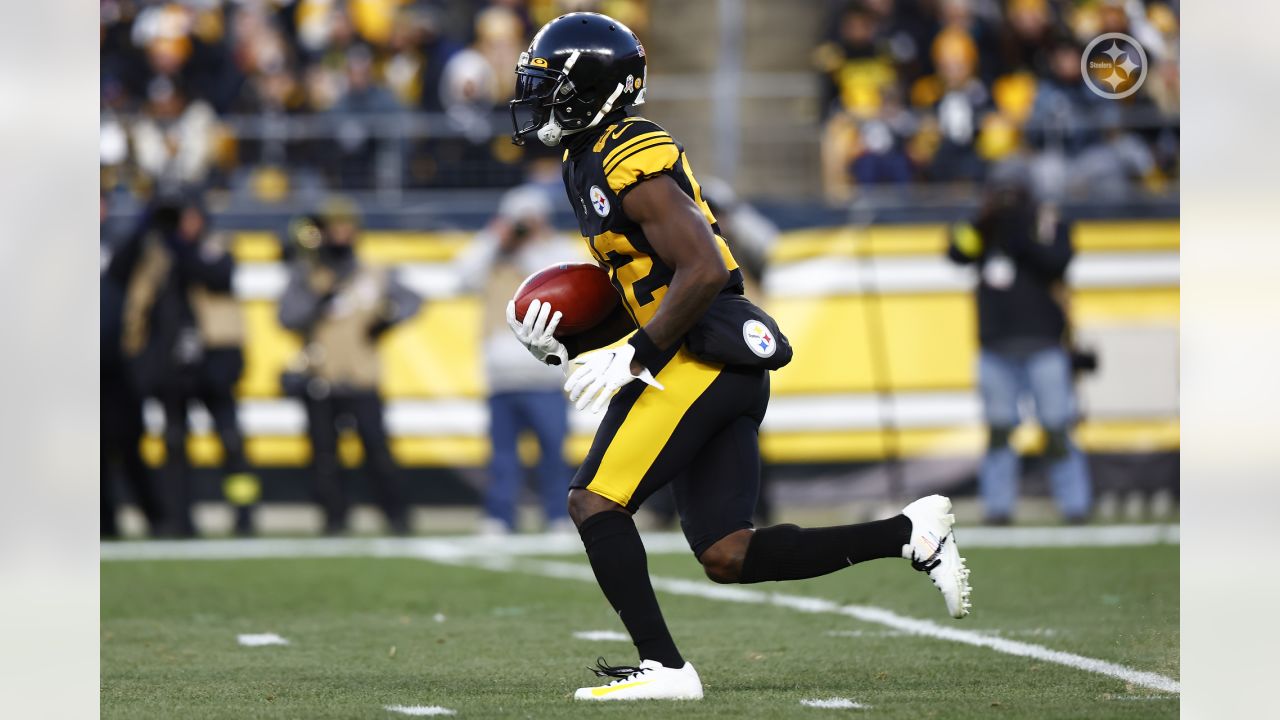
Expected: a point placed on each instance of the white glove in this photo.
(599, 376)
(537, 334)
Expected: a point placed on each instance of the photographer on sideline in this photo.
(182, 334)
(1021, 251)
(341, 306)
(120, 426)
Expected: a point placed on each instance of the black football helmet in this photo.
(579, 67)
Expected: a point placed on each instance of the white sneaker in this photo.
(933, 550)
(651, 681)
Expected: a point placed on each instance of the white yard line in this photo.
(865, 613)
(1036, 632)
(510, 555)
(570, 545)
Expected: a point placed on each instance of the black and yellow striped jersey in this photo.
(599, 171)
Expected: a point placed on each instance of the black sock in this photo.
(622, 570)
(787, 552)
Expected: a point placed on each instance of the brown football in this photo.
(580, 291)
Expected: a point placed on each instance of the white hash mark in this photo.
(601, 635)
(835, 703)
(260, 639)
(421, 710)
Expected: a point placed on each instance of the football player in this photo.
(675, 415)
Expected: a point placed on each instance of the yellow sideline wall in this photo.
(930, 343)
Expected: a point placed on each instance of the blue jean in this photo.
(1046, 375)
(546, 413)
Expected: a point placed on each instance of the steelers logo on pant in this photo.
(759, 339)
(599, 202)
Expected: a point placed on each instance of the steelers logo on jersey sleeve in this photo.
(759, 339)
(599, 202)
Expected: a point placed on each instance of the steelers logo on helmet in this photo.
(759, 339)
(599, 202)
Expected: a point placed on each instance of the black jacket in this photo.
(1019, 312)
(162, 364)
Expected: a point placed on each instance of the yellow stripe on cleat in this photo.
(602, 691)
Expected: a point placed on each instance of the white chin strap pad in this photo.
(551, 132)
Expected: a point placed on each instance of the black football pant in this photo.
(365, 408)
(176, 476)
(700, 436)
(120, 432)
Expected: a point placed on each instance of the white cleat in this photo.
(933, 550)
(651, 681)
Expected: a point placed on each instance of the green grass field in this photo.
(368, 633)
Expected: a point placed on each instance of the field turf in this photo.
(369, 633)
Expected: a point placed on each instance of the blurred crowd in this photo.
(943, 90)
(175, 72)
(266, 97)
